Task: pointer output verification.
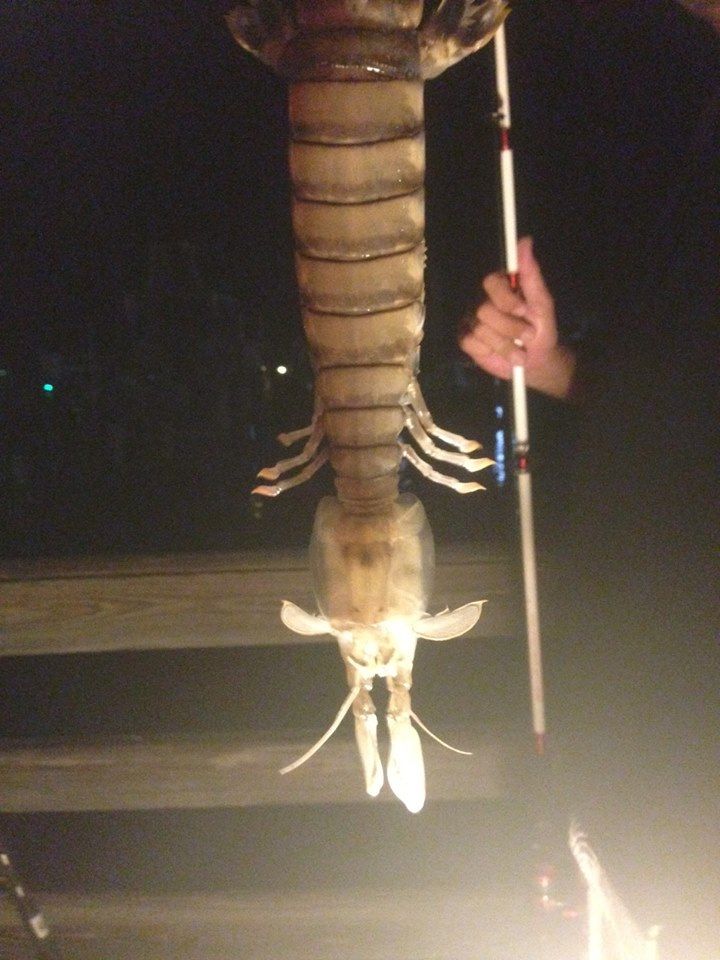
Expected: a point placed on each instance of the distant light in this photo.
(500, 474)
(48, 387)
(281, 369)
(3, 373)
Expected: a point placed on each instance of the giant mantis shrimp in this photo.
(356, 70)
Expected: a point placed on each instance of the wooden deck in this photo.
(193, 601)
(242, 771)
(165, 605)
(434, 924)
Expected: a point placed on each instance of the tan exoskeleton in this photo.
(356, 70)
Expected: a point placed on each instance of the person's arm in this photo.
(521, 328)
(706, 9)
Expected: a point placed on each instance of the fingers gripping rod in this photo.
(521, 437)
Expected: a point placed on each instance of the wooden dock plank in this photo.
(196, 601)
(240, 771)
(442, 923)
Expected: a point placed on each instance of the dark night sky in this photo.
(139, 134)
(144, 151)
(144, 156)
(127, 121)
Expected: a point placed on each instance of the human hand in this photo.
(520, 328)
(707, 9)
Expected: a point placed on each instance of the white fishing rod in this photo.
(521, 436)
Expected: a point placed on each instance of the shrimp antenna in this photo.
(339, 717)
(428, 731)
